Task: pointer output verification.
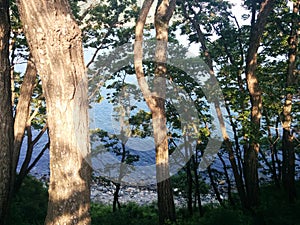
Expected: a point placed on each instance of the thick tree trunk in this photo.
(251, 152)
(6, 115)
(55, 43)
(288, 149)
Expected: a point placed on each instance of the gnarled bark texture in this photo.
(6, 116)
(55, 43)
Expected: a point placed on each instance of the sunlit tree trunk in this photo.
(288, 149)
(156, 102)
(251, 152)
(163, 14)
(55, 43)
(21, 116)
(6, 115)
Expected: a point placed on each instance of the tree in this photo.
(288, 149)
(258, 24)
(55, 43)
(199, 17)
(156, 100)
(6, 115)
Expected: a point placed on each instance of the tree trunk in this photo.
(116, 197)
(6, 115)
(55, 43)
(214, 185)
(251, 152)
(189, 177)
(189, 187)
(225, 136)
(22, 114)
(121, 174)
(26, 163)
(166, 207)
(156, 102)
(288, 149)
(197, 184)
(273, 150)
(229, 193)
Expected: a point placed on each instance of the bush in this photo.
(29, 205)
(223, 216)
(130, 214)
(275, 208)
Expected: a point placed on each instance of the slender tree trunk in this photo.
(230, 198)
(121, 174)
(22, 113)
(189, 187)
(116, 197)
(251, 152)
(189, 177)
(26, 163)
(166, 207)
(288, 149)
(273, 149)
(197, 184)
(55, 43)
(208, 60)
(6, 115)
(214, 185)
(156, 102)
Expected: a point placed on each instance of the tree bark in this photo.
(251, 153)
(22, 112)
(156, 102)
(55, 42)
(166, 207)
(6, 115)
(288, 149)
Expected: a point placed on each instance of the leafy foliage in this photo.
(130, 214)
(29, 206)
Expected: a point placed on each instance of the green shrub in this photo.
(29, 206)
(275, 209)
(223, 216)
(129, 214)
